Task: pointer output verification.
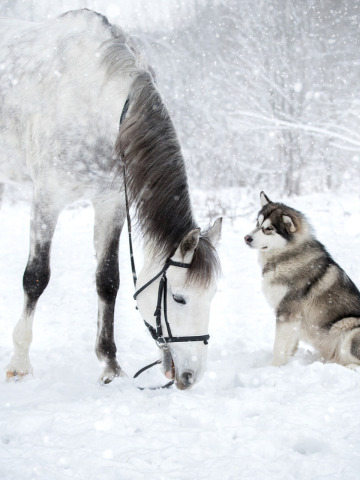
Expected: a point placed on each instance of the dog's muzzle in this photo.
(248, 239)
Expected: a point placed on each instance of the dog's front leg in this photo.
(286, 341)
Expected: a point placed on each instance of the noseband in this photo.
(157, 333)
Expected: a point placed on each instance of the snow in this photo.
(244, 420)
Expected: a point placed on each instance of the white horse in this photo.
(64, 85)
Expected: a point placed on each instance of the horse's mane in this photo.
(155, 171)
(157, 185)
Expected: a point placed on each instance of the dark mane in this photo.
(156, 176)
(205, 263)
(155, 171)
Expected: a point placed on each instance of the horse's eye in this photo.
(179, 299)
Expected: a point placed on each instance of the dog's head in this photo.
(277, 226)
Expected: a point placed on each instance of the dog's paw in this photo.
(278, 362)
(353, 366)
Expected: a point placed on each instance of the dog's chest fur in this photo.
(275, 279)
(273, 290)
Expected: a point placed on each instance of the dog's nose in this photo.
(248, 239)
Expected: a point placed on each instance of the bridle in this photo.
(157, 332)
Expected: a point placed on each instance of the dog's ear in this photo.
(289, 224)
(264, 200)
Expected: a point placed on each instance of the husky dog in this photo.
(312, 296)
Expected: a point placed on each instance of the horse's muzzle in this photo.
(185, 380)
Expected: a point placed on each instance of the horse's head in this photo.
(174, 299)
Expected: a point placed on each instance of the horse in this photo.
(81, 117)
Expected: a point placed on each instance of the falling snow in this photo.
(264, 96)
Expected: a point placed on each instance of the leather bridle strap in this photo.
(165, 267)
(142, 370)
(157, 333)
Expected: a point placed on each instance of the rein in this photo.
(134, 275)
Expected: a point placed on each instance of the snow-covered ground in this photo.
(244, 420)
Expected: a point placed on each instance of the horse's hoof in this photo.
(109, 375)
(106, 379)
(14, 375)
(10, 375)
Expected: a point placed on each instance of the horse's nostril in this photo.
(187, 378)
(248, 239)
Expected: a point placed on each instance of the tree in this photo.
(259, 90)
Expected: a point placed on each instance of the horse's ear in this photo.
(214, 233)
(189, 242)
(264, 200)
(186, 249)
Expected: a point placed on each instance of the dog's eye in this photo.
(179, 299)
(269, 229)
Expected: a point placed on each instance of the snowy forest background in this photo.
(264, 94)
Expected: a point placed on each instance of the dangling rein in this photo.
(133, 269)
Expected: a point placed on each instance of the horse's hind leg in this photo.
(109, 220)
(36, 277)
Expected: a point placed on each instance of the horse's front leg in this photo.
(44, 217)
(109, 220)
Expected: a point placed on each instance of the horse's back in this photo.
(58, 108)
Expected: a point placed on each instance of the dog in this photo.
(313, 298)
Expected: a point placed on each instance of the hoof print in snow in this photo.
(309, 446)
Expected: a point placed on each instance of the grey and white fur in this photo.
(313, 298)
